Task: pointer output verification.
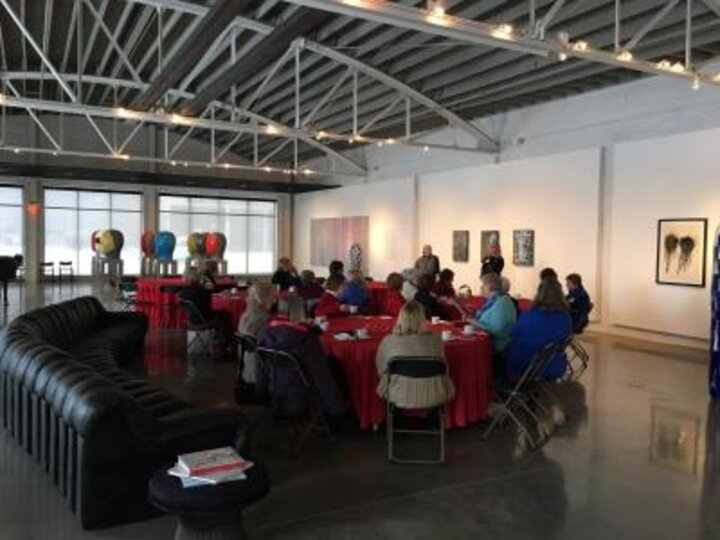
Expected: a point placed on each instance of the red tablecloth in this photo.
(235, 303)
(469, 362)
(162, 308)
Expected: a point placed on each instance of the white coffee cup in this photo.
(353, 309)
(291, 290)
(319, 320)
(362, 333)
(234, 290)
(446, 335)
(324, 326)
(468, 329)
(435, 320)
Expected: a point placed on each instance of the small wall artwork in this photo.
(681, 252)
(461, 246)
(487, 239)
(524, 247)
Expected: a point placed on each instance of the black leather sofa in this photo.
(99, 431)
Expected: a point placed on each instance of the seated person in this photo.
(444, 286)
(329, 304)
(336, 268)
(497, 315)
(260, 301)
(291, 332)
(201, 297)
(409, 288)
(394, 300)
(356, 292)
(409, 339)
(285, 276)
(309, 288)
(425, 298)
(506, 286)
(547, 322)
(579, 301)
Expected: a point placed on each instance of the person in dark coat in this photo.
(493, 262)
(285, 276)
(336, 268)
(428, 264)
(290, 332)
(579, 301)
(220, 320)
(444, 286)
(309, 288)
(426, 299)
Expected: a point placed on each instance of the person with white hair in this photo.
(506, 286)
(428, 264)
(409, 288)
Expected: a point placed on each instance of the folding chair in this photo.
(166, 309)
(245, 344)
(415, 368)
(315, 421)
(197, 325)
(520, 396)
(578, 360)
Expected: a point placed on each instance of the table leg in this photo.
(210, 529)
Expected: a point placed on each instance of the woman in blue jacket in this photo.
(547, 322)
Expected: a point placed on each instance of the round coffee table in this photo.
(208, 512)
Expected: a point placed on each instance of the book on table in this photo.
(210, 467)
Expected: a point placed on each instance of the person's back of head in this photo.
(506, 284)
(550, 296)
(261, 295)
(395, 281)
(294, 308)
(574, 279)
(548, 274)
(492, 283)
(307, 277)
(334, 282)
(411, 319)
(447, 275)
(425, 283)
(336, 267)
(284, 264)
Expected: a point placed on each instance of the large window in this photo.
(71, 216)
(11, 220)
(248, 225)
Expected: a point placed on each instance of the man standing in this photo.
(428, 264)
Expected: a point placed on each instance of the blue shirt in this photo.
(497, 317)
(355, 294)
(534, 330)
(580, 307)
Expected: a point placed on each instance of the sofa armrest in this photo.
(197, 429)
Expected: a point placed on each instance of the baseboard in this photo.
(649, 335)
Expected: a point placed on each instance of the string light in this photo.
(696, 83)
(580, 46)
(502, 31)
(390, 141)
(426, 148)
(625, 56)
(562, 56)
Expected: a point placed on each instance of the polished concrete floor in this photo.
(638, 456)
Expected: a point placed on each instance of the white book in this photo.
(212, 461)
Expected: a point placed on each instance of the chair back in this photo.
(542, 359)
(193, 313)
(417, 367)
(277, 359)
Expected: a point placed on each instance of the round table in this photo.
(234, 303)
(469, 364)
(378, 297)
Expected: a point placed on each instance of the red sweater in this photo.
(328, 306)
(394, 302)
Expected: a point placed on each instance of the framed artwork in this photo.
(674, 439)
(461, 246)
(524, 247)
(487, 239)
(681, 252)
(332, 239)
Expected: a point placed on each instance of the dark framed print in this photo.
(461, 246)
(524, 247)
(487, 240)
(681, 252)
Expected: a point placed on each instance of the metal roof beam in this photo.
(192, 51)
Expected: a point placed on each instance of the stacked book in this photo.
(210, 467)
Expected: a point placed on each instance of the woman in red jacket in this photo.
(394, 301)
(329, 304)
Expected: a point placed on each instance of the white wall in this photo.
(390, 207)
(671, 177)
(557, 196)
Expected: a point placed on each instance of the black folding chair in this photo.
(245, 344)
(578, 360)
(314, 420)
(520, 397)
(414, 368)
(197, 325)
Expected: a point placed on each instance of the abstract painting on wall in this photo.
(681, 252)
(524, 247)
(461, 246)
(487, 239)
(332, 238)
